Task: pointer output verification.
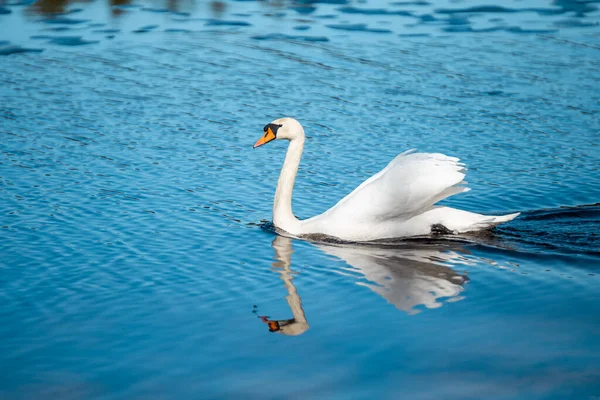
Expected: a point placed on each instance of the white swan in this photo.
(399, 201)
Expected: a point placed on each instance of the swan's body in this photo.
(399, 201)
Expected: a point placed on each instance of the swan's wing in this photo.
(411, 183)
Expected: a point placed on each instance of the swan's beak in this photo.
(266, 138)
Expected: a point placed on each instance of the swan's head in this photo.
(282, 128)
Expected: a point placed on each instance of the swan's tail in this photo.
(490, 221)
(505, 218)
(461, 221)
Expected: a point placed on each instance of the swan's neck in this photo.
(283, 217)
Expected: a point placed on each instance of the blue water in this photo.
(134, 263)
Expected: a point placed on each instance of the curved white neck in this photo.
(283, 217)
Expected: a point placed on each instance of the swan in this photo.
(397, 202)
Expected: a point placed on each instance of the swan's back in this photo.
(410, 185)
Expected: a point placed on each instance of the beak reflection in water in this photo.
(407, 276)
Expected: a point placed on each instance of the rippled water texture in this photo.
(133, 264)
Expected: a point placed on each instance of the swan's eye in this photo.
(272, 127)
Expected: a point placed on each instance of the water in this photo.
(133, 263)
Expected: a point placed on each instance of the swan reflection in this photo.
(407, 276)
(297, 325)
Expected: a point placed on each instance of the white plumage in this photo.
(399, 201)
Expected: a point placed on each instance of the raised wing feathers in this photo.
(409, 184)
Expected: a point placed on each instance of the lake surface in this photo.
(134, 263)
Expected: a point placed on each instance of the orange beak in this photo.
(266, 138)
